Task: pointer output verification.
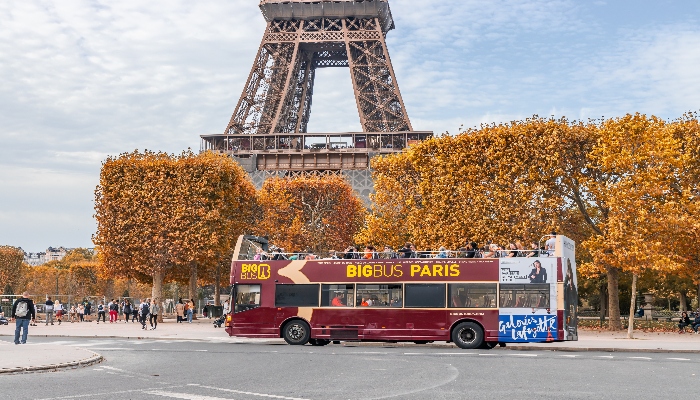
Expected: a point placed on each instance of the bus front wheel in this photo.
(296, 332)
(468, 335)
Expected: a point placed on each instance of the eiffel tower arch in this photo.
(267, 132)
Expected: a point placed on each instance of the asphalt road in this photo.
(159, 369)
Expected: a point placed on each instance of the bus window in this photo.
(296, 295)
(472, 295)
(431, 295)
(337, 295)
(247, 297)
(379, 295)
(524, 296)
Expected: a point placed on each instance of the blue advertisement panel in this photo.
(527, 328)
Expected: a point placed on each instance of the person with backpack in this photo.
(144, 310)
(101, 312)
(23, 312)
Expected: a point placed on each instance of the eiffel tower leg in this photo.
(260, 104)
(377, 94)
(306, 96)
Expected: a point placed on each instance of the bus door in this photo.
(423, 320)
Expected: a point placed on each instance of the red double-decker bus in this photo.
(472, 302)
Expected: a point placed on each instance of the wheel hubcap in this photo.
(467, 335)
(296, 332)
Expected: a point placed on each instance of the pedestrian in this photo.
(127, 311)
(189, 308)
(113, 311)
(81, 313)
(155, 310)
(101, 312)
(134, 313)
(48, 309)
(73, 314)
(23, 312)
(58, 309)
(88, 311)
(180, 310)
(144, 310)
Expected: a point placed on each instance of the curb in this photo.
(95, 359)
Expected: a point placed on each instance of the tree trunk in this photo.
(193, 288)
(614, 323)
(217, 283)
(157, 291)
(630, 327)
(684, 301)
(603, 301)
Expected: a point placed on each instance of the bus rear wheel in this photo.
(468, 335)
(296, 332)
(318, 342)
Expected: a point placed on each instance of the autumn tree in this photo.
(318, 213)
(11, 266)
(159, 216)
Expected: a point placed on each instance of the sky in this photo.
(85, 79)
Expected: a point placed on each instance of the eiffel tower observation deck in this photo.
(267, 133)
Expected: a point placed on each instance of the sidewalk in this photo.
(38, 356)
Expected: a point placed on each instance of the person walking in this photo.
(155, 310)
(126, 310)
(189, 308)
(180, 310)
(58, 309)
(48, 309)
(144, 310)
(22, 311)
(81, 313)
(101, 312)
(88, 311)
(113, 311)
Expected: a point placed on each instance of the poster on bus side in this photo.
(528, 299)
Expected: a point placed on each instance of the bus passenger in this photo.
(534, 250)
(369, 253)
(512, 250)
(338, 300)
(442, 253)
(406, 251)
(549, 244)
(364, 303)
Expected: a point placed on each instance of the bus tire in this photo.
(296, 332)
(319, 342)
(468, 335)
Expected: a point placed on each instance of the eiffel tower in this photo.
(267, 132)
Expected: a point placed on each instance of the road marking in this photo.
(413, 354)
(523, 355)
(95, 395)
(679, 359)
(272, 396)
(185, 396)
(640, 358)
(570, 355)
(605, 356)
(113, 368)
(487, 354)
(458, 354)
(201, 350)
(111, 348)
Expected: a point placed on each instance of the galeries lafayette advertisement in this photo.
(525, 314)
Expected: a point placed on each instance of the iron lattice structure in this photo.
(303, 35)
